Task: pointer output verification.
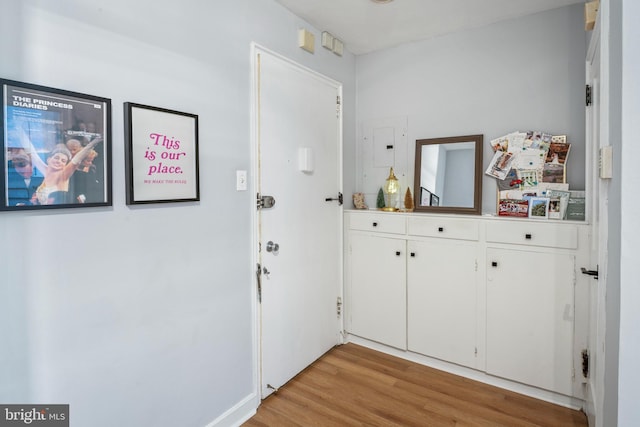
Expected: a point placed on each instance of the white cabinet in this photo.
(531, 304)
(530, 310)
(441, 299)
(492, 294)
(378, 295)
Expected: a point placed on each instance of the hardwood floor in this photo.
(355, 386)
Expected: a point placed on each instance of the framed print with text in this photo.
(55, 148)
(161, 155)
(425, 197)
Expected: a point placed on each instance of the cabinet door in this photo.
(442, 300)
(378, 289)
(530, 317)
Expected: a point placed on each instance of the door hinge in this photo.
(475, 353)
(338, 104)
(339, 306)
(588, 95)
(585, 363)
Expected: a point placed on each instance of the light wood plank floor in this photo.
(355, 386)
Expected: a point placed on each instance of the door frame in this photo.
(598, 47)
(256, 313)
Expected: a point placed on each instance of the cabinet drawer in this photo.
(444, 227)
(533, 234)
(376, 222)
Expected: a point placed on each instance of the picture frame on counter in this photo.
(539, 207)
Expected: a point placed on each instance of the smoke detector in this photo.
(382, 1)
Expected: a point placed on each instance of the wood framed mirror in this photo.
(448, 175)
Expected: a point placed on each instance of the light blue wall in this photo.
(613, 250)
(459, 179)
(140, 316)
(523, 74)
(629, 207)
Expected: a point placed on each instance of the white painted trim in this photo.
(594, 403)
(547, 396)
(236, 415)
(261, 49)
(253, 188)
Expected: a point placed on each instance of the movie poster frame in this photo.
(51, 117)
(179, 131)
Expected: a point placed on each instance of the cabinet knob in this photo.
(494, 264)
(440, 229)
(375, 224)
(413, 254)
(397, 253)
(527, 236)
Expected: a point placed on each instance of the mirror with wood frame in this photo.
(448, 175)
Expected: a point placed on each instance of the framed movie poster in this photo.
(55, 148)
(161, 155)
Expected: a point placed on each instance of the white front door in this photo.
(298, 141)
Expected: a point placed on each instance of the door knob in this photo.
(272, 247)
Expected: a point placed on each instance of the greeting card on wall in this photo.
(55, 148)
(161, 155)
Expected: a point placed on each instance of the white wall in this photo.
(629, 375)
(611, 10)
(140, 316)
(521, 74)
(459, 180)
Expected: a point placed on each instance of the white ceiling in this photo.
(365, 26)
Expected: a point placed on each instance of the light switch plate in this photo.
(241, 180)
(606, 158)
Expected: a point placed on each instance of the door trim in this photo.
(598, 44)
(255, 50)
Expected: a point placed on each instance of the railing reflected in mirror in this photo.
(448, 175)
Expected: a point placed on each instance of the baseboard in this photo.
(238, 414)
(589, 405)
(545, 395)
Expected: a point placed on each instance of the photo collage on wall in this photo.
(531, 171)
